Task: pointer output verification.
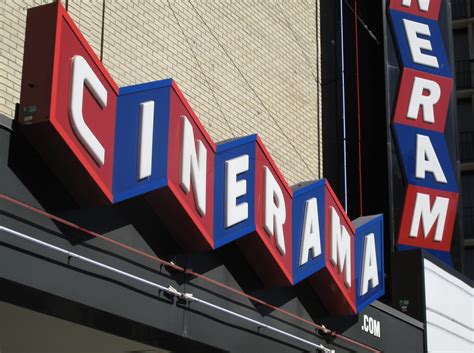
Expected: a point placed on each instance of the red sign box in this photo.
(52, 43)
(420, 212)
(409, 92)
(338, 297)
(260, 248)
(416, 7)
(173, 203)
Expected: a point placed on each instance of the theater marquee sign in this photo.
(109, 144)
(418, 123)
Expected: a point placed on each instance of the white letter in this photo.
(427, 216)
(423, 4)
(235, 188)
(376, 328)
(275, 210)
(340, 246)
(426, 160)
(427, 102)
(82, 74)
(147, 110)
(369, 265)
(311, 239)
(193, 165)
(416, 43)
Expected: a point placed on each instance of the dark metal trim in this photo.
(6, 122)
(397, 314)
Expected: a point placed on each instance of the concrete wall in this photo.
(245, 66)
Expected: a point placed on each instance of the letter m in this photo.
(426, 215)
(341, 247)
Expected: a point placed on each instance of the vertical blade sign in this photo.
(418, 123)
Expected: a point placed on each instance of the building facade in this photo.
(192, 239)
(245, 67)
(252, 68)
(463, 51)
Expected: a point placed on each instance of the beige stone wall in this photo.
(245, 66)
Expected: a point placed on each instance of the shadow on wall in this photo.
(133, 222)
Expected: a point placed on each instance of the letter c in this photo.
(82, 74)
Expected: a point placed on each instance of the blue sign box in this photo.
(126, 183)
(435, 39)
(363, 227)
(406, 142)
(226, 151)
(300, 196)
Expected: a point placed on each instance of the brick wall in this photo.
(245, 66)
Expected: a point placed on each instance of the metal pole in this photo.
(343, 90)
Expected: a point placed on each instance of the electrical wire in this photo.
(285, 20)
(277, 124)
(364, 25)
(188, 271)
(102, 30)
(206, 78)
(169, 289)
